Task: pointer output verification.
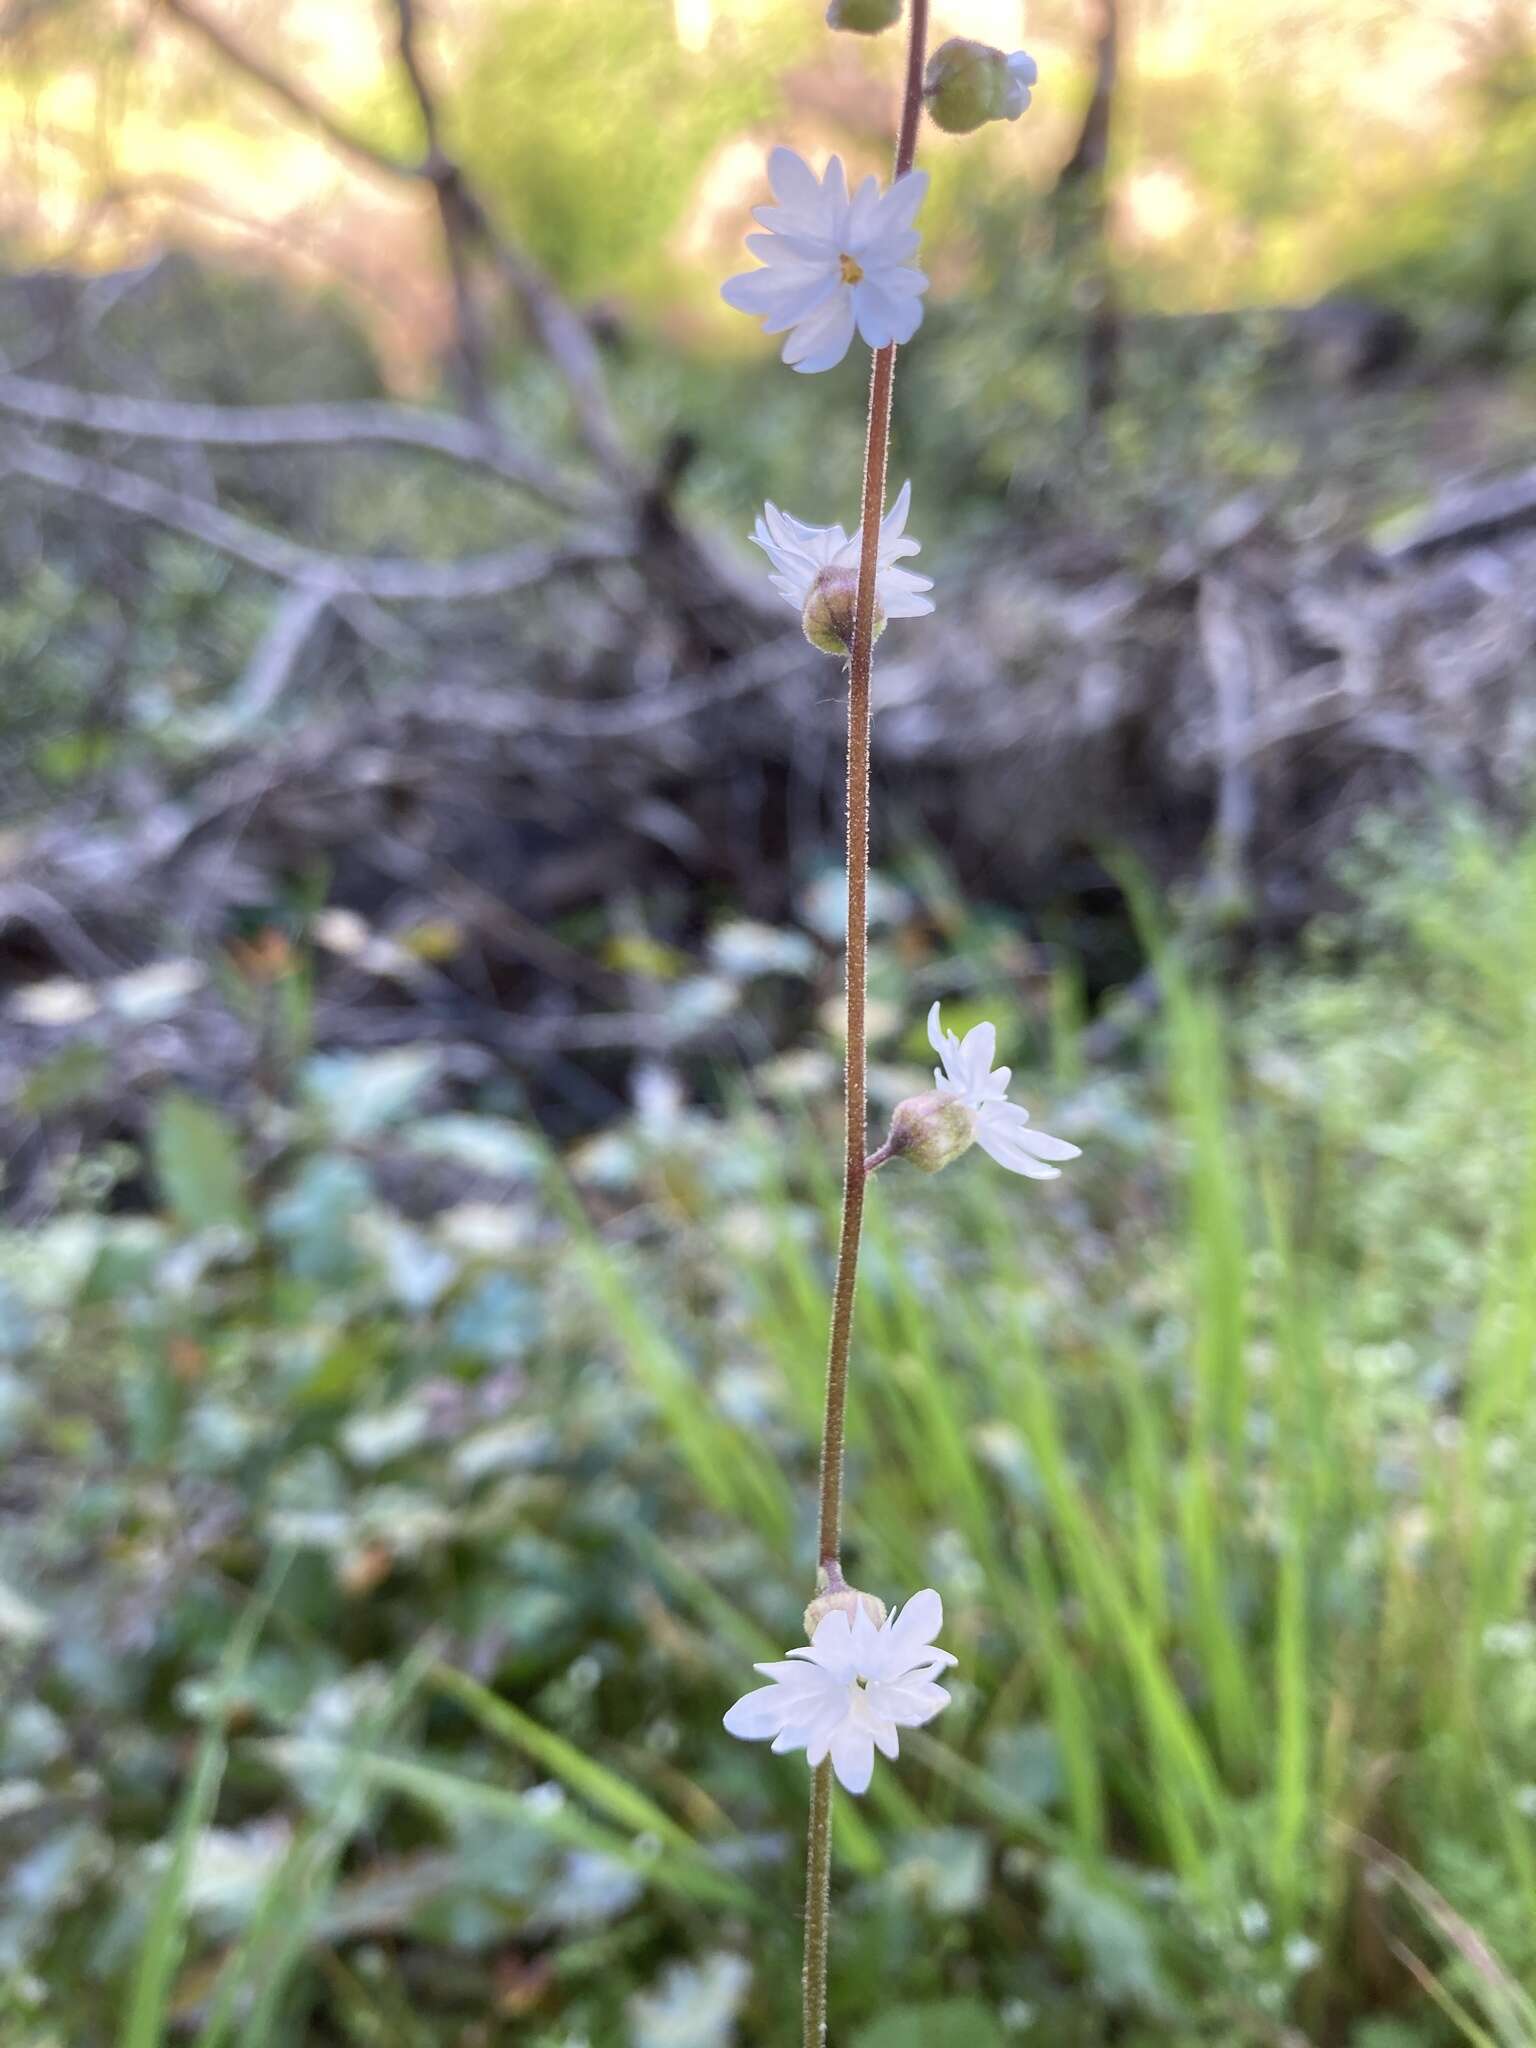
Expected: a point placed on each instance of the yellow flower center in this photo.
(851, 268)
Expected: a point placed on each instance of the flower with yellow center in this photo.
(833, 264)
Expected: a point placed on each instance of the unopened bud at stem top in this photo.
(863, 17)
(967, 84)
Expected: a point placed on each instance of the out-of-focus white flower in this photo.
(816, 569)
(846, 1694)
(1023, 72)
(832, 263)
(1002, 1127)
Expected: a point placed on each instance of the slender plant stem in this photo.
(818, 1885)
(876, 449)
(818, 1869)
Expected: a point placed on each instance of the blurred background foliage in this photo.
(1263, 152)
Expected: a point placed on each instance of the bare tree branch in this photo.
(278, 654)
(390, 580)
(1463, 516)
(1081, 202)
(458, 228)
(466, 221)
(291, 426)
(294, 98)
(511, 712)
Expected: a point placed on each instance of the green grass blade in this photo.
(145, 2020)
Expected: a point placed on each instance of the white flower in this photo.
(1002, 1127)
(1023, 71)
(831, 263)
(845, 1695)
(804, 557)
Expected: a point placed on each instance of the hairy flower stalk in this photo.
(835, 263)
(818, 1904)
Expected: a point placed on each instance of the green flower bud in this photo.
(931, 1130)
(863, 17)
(967, 84)
(847, 1601)
(829, 611)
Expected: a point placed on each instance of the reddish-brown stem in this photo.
(876, 450)
(818, 1872)
(818, 1929)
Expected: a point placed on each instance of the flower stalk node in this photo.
(842, 1600)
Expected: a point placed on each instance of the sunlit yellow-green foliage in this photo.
(1264, 149)
(594, 124)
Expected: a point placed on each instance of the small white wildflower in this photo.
(1002, 1127)
(832, 263)
(816, 569)
(845, 1695)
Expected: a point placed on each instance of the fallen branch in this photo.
(278, 653)
(473, 579)
(1467, 515)
(291, 426)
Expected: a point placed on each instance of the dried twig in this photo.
(1239, 662)
(291, 426)
(1474, 512)
(473, 579)
(278, 653)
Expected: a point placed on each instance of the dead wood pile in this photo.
(1227, 715)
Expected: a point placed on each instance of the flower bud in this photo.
(863, 17)
(967, 84)
(829, 611)
(847, 1600)
(931, 1130)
